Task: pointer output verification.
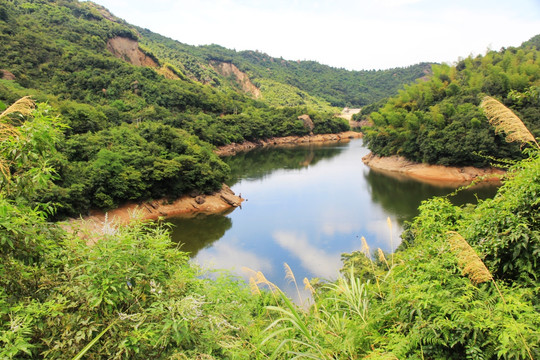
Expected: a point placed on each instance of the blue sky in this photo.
(357, 35)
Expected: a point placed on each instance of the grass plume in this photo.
(476, 270)
(468, 260)
(382, 258)
(256, 279)
(366, 251)
(308, 286)
(24, 106)
(504, 120)
(389, 223)
(254, 287)
(365, 247)
(290, 276)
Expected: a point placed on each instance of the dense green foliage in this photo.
(439, 121)
(338, 87)
(128, 292)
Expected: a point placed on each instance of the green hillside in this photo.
(337, 87)
(439, 121)
(137, 128)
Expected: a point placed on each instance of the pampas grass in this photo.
(290, 276)
(366, 251)
(504, 120)
(23, 106)
(382, 258)
(471, 264)
(476, 270)
(389, 223)
(365, 248)
(308, 286)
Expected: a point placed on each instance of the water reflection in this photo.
(234, 257)
(306, 206)
(200, 231)
(318, 262)
(401, 196)
(261, 162)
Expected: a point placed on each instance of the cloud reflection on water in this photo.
(379, 228)
(224, 255)
(317, 261)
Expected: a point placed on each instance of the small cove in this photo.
(306, 205)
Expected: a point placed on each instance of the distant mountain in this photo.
(276, 76)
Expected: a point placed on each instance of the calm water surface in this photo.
(306, 205)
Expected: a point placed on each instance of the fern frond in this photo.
(504, 120)
(468, 260)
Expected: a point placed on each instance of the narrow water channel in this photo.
(306, 205)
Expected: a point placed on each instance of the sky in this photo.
(351, 34)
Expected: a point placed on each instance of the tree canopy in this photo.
(439, 121)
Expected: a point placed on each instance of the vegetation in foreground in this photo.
(129, 293)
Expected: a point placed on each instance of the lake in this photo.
(305, 206)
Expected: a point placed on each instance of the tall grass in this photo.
(473, 267)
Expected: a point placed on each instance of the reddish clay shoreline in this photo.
(233, 148)
(218, 202)
(435, 174)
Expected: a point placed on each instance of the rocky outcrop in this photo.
(348, 113)
(234, 148)
(6, 75)
(99, 221)
(230, 70)
(308, 123)
(128, 49)
(431, 173)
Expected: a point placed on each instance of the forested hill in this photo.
(439, 121)
(137, 128)
(142, 111)
(285, 82)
